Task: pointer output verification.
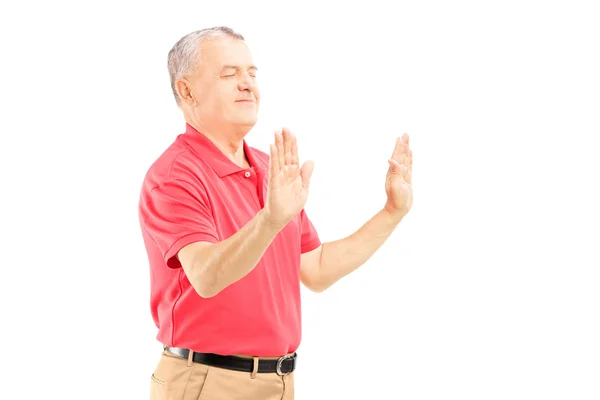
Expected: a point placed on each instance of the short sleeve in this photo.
(310, 238)
(175, 214)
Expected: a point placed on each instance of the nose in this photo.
(246, 83)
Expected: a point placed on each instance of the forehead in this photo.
(222, 51)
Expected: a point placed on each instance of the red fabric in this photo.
(193, 192)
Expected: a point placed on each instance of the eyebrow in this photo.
(237, 67)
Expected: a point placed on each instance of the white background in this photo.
(489, 289)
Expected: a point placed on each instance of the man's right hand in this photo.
(288, 183)
(211, 267)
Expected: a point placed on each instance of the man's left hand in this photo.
(398, 183)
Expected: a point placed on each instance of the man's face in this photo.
(224, 86)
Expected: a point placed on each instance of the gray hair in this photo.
(183, 57)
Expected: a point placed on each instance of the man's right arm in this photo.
(211, 267)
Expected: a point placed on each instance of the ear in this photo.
(184, 90)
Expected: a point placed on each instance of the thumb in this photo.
(395, 168)
(306, 172)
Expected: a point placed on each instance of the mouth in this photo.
(245, 101)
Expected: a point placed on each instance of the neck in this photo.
(230, 140)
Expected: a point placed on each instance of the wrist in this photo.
(268, 223)
(393, 214)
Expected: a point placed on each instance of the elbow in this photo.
(198, 264)
(318, 289)
(205, 291)
(205, 285)
(317, 285)
(315, 280)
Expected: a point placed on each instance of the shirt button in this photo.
(247, 174)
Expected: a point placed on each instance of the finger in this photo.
(280, 151)
(306, 172)
(273, 161)
(398, 154)
(398, 149)
(408, 177)
(406, 144)
(295, 160)
(401, 159)
(287, 146)
(396, 168)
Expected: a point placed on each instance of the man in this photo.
(227, 236)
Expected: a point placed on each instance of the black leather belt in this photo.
(281, 366)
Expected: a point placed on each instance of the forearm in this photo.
(341, 257)
(221, 264)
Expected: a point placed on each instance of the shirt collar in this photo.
(213, 156)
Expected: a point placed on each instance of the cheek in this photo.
(204, 97)
(227, 93)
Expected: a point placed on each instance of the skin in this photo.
(210, 101)
(221, 99)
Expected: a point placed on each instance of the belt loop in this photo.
(255, 368)
(190, 358)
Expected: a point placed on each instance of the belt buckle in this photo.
(280, 363)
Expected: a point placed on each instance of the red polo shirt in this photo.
(191, 193)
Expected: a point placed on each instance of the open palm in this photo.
(287, 190)
(398, 182)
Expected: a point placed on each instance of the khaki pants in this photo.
(178, 379)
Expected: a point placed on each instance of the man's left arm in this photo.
(328, 263)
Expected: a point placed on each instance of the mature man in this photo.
(227, 236)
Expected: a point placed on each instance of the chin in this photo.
(247, 120)
(245, 124)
